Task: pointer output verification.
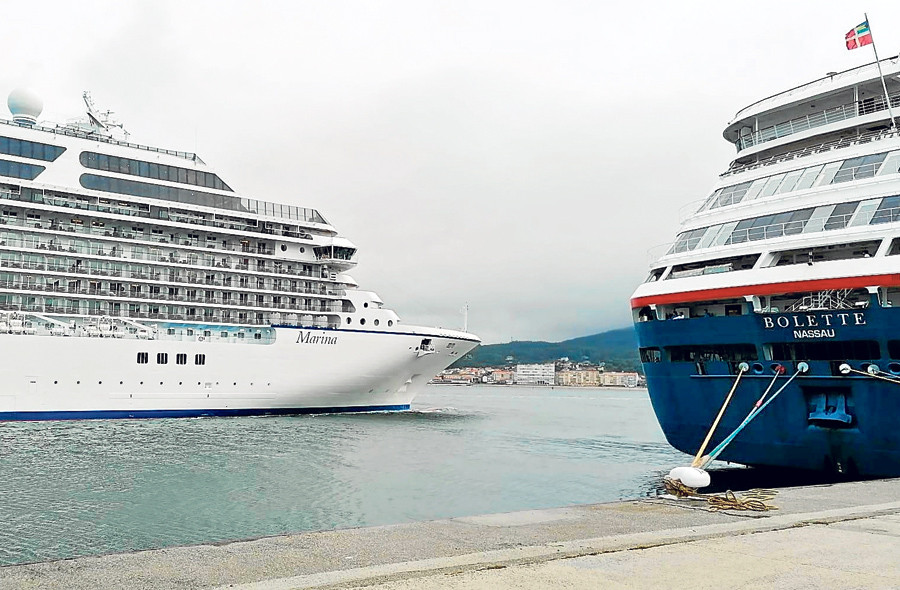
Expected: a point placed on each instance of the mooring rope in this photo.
(755, 500)
(699, 458)
(754, 412)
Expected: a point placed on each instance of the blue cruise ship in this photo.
(786, 280)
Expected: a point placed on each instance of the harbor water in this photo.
(79, 488)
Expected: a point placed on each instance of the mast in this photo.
(887, 98)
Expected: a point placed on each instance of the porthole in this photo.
(160, 382)
(362, 321)
(376, 322)
(894, 368)
(55, 382)
(390, 323)
(366, 304)
(302, 249)
(78, 383)
(349, 320)
(99, 382)
(284, 248)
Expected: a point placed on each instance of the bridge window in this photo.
(651, 355)
(835, 350)
(712, 352)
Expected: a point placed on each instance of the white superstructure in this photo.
(807, 209)
(135, 282)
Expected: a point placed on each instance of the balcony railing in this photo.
(811, 121)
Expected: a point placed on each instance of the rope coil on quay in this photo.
(754, 500)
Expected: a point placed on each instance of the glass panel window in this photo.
(789, 182)
(808, 177)
(888, 211)
(841, 215)
(772, 185)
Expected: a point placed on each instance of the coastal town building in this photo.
(589, 377)
(500, 377)
(619, 379)
(536, 374)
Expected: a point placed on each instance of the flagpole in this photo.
(883, 84)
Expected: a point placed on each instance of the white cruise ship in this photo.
(134, 282)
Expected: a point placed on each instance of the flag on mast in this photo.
(859, 35)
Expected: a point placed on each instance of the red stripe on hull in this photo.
(888, 280)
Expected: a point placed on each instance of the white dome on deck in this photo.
(25, 105)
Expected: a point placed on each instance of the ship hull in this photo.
(822, 420)
(300, 371)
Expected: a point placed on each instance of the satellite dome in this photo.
(25, 105)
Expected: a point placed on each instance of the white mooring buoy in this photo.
(692, 477)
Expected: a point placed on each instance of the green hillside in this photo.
(617, 348)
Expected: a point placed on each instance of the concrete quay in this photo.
(843, 535)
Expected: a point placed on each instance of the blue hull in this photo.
(120, 414)
(823, 420)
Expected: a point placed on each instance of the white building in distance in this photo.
(542, 374)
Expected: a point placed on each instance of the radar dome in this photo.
(25, 105)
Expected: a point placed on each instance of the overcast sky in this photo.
(521, 157)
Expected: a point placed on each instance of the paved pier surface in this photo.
(827, 536)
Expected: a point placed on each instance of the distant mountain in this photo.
(617, 348)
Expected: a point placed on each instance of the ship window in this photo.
(715, 266)
(143, 358)
(833, 350)
(731, 195)
(147, 169)
(857, 168)
(30, 149)
(688, 240)
(808, 177)
(257, 336)
(181, 358)
(199, 359)
(655, 275)
(840, 216)
(651, 355)
(826, 253)
(162, 358)
(888, 211)
(20, 170)
(712, 352)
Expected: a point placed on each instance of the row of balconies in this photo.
(103, 268)
(155, 237)
(117, 249)
(212, 317)
(169, 278)
(199, 297)
(142, 211)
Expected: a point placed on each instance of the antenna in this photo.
(465, 311)
(92, 113)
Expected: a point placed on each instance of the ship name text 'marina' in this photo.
(305, 337)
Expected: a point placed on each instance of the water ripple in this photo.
(90, 487)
